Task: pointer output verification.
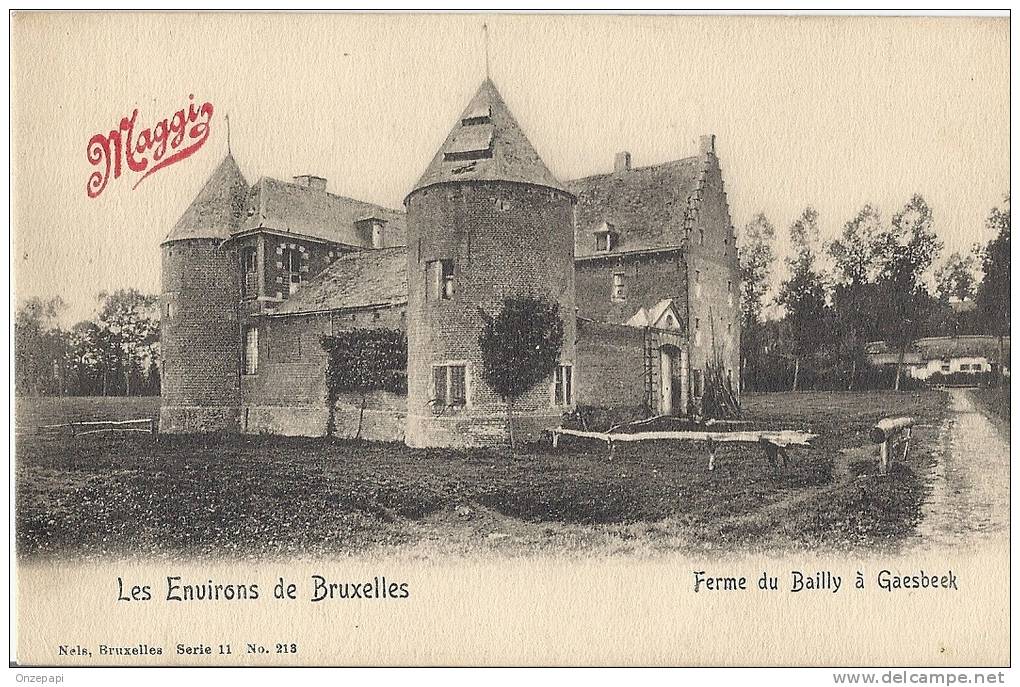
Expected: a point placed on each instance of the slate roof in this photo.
(647, 206)
(943, 347)
(487, 144)
(293, 207)
(355, 280)
(217, 209)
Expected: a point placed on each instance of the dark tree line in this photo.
(881, 283)
(116, 353)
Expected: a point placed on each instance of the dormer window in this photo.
(470, 143)
(478, 115)
(606, 239)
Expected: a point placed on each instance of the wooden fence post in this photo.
(887, 432)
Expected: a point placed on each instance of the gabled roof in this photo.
(296, 208)
(355, 280)
(217, 209)
(656, 316)
(647, 206)
(487, 144)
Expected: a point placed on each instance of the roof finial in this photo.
(485, 33)
(227, 117)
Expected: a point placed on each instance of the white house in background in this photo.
(944, 355)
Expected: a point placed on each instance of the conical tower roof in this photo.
(487, 144)
(216, 210)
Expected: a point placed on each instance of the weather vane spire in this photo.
(227, 117)
(485, 34)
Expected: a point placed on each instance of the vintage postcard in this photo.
(511, 340)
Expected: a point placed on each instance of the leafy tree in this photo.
(756, 256)
(86, 358)
(39, 347)
(955, 279)
(854, 293)
(905, 252)
(131, 319)
(361, 361)
(803, 293)
(520, 347)
(993, 294)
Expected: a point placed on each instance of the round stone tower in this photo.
(200, 339)
(487, 220)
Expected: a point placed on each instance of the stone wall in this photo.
(714, 304)
(611, 362)
(648, 278)
(287, 394)
(199, 337)
(384, 418)
(504, 239)
(620, 366)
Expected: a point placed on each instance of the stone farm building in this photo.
(642, 261)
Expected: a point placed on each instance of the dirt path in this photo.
(969, 501)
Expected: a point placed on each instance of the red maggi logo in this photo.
(162, 145)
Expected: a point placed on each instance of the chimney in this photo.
(708, 144)
(622, 163)
(311, 181)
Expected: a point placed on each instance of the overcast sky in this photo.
(831, 112)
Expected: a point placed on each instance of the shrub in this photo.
(363, 360)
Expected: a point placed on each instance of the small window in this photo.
(251, 351)
(697, 323)
(697, 276)
(440, 280)
(563, 386)
(169, 310)
(945, 368)
(292, 266)
(729, 327)
(249, 267)
(604, 241)
(729, 287)
(449, 386)
(701, 237)
(619, 287)
(250, 259)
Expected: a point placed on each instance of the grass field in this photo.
(135, 495)
(995, 403)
